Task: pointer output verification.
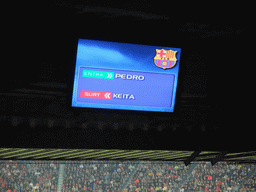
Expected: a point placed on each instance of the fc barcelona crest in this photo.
(165, 58)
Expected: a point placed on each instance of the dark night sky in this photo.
(40, 39)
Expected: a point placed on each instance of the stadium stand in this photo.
(106, 176)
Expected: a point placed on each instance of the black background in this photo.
(39, 44)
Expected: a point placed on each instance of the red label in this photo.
(96, 94)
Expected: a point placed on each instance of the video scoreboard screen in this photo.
(125, 76)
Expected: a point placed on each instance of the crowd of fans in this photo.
(220, 177)
(250, 184)
(95, 176)
(157, 177)
(28, 176)
(105, 176)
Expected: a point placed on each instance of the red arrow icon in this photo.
(95, 94)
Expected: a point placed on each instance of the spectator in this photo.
(149, 177)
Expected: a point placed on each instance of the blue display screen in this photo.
(125, 76)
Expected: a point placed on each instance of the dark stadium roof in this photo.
(122, 155)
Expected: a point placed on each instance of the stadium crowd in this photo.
(106, 176)
(157, 177)
(250, 185)
(95, 176)
(28, 176)
(221, 177)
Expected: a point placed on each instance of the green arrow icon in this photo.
(98, 74)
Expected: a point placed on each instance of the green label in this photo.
(98, 74)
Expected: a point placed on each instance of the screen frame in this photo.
(144, 114)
